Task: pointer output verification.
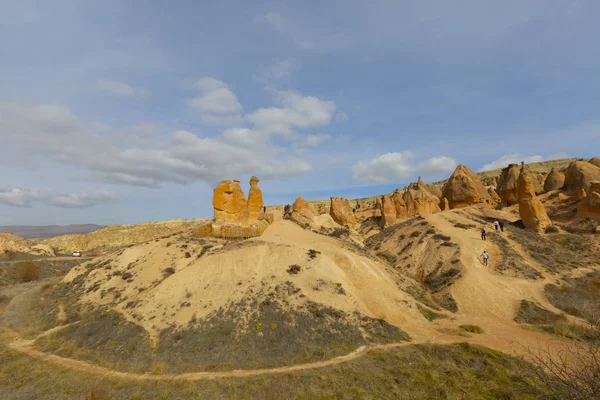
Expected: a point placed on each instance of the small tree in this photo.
(28, 271)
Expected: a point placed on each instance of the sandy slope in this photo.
(224, 276)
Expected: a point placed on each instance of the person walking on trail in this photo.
(502, 226)
(485, 257)
(482, 233)
(496, 224)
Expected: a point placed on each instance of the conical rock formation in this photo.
(531, 210)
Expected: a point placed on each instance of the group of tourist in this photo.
(497, 224)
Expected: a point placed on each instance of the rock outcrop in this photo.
(595, 161)
(531, 210)
(229, 203)
(590, 205)
(507, 184)
(388, 211)
(493, 195)
(301, 211)
(435, 190)
(555, 180)
(341, 212)
(255, 199)
(233, 215)
(538, 182)
(464, 188)
(419, 201)
(579, 175)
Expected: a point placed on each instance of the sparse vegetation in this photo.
(430, 315)
(168, 272)
(294, 269)
(412, 372)
(28, 271)
(471, 329)
(577, 296)
(512, 262)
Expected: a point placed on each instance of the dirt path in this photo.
(25, 347)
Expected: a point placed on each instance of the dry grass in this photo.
(459, 371)
(28, 271)
(471, 328)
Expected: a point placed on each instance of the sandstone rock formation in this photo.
(590, 206)
(490, 181)
(531, 210)
(444, 204)
(234, 216)
(435, 190)
(229, 203)
(554, 180)
(464, 188)
(255, 199)
(579, 175)
(493, 195)
(301, 211)
(507, 184)
(341, 212)
(419, 201)
(595, 161)
(538, 182)
(388, 211)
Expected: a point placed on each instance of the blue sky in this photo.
(127, 111)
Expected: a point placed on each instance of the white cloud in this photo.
(400, 167)
(54, 132)
(297, 112)
(118, 88)
(436, 166)
(217, 104)
(389, 166)
(516, 158)
(27, 197)
(215, 97)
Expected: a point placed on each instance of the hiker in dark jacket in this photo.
(502, 226)
(482, 233)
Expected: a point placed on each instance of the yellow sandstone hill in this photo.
(118, 236)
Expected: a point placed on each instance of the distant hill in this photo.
(49, 231)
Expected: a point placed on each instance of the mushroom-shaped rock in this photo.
(464, 188)
(507, 184)
(531, 210)
(554, 180)
(341, 212)
(580, 174)
(255, 199)
(590, 206)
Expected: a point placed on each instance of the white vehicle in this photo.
(76, 254)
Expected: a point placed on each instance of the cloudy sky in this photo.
(126, 111)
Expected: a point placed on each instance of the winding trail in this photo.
(26, 347)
